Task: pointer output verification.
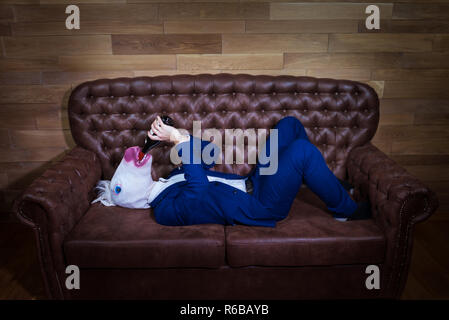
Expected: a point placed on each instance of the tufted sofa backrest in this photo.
(109, 115)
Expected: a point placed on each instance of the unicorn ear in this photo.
(104, 194)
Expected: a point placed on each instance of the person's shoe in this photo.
(340, 216)
(362, 212)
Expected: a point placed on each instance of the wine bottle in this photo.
(150, 143)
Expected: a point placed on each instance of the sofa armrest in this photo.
(53, 204)
(64, 191)
(396, 196)
(398, 201)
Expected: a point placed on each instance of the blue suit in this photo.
(198, 201)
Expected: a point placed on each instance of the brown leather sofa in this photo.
(124, 253)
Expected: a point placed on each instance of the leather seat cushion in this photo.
(115, 237)
(308, 236)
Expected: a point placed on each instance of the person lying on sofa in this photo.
(192, 194)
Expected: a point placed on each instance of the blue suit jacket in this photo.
(198, 201)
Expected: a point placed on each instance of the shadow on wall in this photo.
(21, 274)
(64, 115)
(17, 181)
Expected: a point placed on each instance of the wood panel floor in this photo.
(428, 277)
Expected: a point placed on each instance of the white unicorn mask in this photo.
(131, 184)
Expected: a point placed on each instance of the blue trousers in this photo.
(299, 161)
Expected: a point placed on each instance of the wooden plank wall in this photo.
(407, 62)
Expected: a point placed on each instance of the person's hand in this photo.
(163, 132)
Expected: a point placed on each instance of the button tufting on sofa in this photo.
(125, 252)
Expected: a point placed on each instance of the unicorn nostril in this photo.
(140, 155)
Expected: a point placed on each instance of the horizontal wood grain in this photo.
(440, 187)
(57, 77)
(384, 146)
(342, 60)
(153, 73)
(31, 116)
(274, 43)
(5, 29)
(33, 94)
(343, 73)
(421, 11)
(53, 119)
(439, 60)
(21, 174)
(275, 72)
(88, 12)
(33, 108)
(113, 63)
(5, 140)
(398, 119)
(274, 1)
(416, 89)
(430, 173)
(412, 132)
(17, 119)
(22, 47)
(35, 154)
(25, 167)
(80, 1)
(3, 183)
(21, 1)
(425, 146)
(410, 74)
(380, 42)
(6, 13)
(28, 139)
(301, 26)
(290, 11)
(441, 42)
(294, 72)
(29, 64)
(191, 1)
(207, 26)
(426, 160)
(422, 118)
(166, 44)
(408, 26)
(432, 105)
(13, 78)
(378, 86)
(86, 28)
(213, 11)
(2, 52)
(28, 115)
(230, 61)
